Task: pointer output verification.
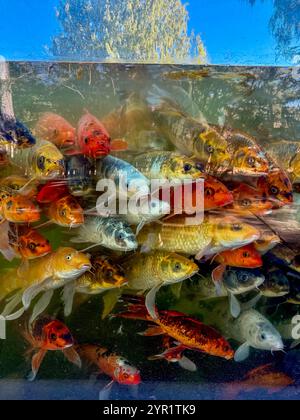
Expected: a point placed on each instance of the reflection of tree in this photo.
(285, 25)
(130, 30)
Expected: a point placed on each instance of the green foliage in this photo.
(127, 30)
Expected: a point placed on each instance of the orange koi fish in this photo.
(249, 200)
(93, 139)
(245, 257)
(277, 187)
(65, 212)
(16, 208)
(112, 365)
(188, 332)
(49, 335)
(28, 243)
(264, 377)
(56, 129)
(20, 184)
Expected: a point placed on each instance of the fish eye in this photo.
(68, 257)
(246, 203)
(251, 161)
(120, 236)
(86, 140)
(209, 192)
(177, 267)
(210, 149)
(32, 246)
(246, 254)
(274, 190)
(53, 337)
(244, 277)
(63, 213)
(263, 336)
(187, 167)
(236, 227)
(41, 162)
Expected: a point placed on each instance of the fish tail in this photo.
(135, 308)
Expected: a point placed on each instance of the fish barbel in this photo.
(42, 161)
(210, 237)
(167, 165)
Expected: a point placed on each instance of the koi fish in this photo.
(52, 191)
(16, 208)
(112, 365)
(65, 212)
(56, 129)
(42, 161)
(265, 377)
(276, 284)
(247, 158)
(277, 187)
(44, 274)
(21, 185)
(49, 335)
(152, 271)
(286, 155)
(104, 275)
(93, 140)
(187, 331)
(267, 241)
(212, 236)
(28, 243)
(249, 200)
(79, 172)
(110, 233)
(169, 166)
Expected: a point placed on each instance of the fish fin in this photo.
(2, 328)
(295, 344)
(13, 302)
(68, 297)
(187, 364)
(119, 145)
(251, 303)
(104, 394)
(202, 253)
(36, 362)
(235, 307)
(176, 289)
(152, 332)
(8, 253)
(242, 353)
(33, 291)
(73, 357)
(149, 243)
(15, 315)
(41, 305)
(110, 299)
(218, 273)
(139, 227)
(150, 301)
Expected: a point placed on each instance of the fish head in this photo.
(126, 374)
(277, 187)
(177, 268)
(250, 161)
(96, 145)
(33, 245)
(249, 200)
(125, 239)
(212, 148)
(57, 336)
(49, 162)
(216, 194)
(265, 336)
(69, 212)
(231, 232)
(106, 274)
(266, 242)
(152, 208)
(246, 256)
(219, 347)
(69, 263)
(276, 284)
(19, 209)
(180, 167)
(242, 280)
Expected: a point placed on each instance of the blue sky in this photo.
(233, 31)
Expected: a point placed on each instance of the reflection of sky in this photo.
(233, 31)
